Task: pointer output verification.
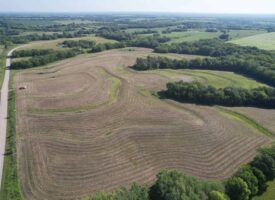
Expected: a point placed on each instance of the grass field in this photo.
(54, 44)
(269, 194)
(217, 79)
(263, 41)
(66, 155)
(237, 34)
(189, 36)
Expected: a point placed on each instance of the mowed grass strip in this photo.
(263, 41)
(246, 120)
(10, 189)
(216, 79)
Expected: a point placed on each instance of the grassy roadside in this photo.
(3, 55)
(10, 189)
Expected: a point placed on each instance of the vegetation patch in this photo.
(269, 194)
(263, 41)
(10, 183)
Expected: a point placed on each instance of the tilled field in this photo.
(90, 123)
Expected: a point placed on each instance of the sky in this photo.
(178, 6)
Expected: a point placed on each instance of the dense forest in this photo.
(197, 92)
(249, 181)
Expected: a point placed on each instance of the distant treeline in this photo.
(45, 56)
(106, 46)
(85, 44)
(197, 92)
(91, 45)
(35, 37)
(214, 48)
(45, 59)
(248, 182)
(130, 39)
(176, 29)
(229, 63)
(31, 52)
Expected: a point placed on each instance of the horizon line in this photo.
(130, 12)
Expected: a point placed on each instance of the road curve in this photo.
(4, 112)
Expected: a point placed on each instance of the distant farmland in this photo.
(189, 36)
(263, 41)
(55, 44)
(100, 127)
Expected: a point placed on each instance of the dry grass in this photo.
(79, 149)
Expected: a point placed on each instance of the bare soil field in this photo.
(90, 123)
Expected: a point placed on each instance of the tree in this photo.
(266, 164)
(173, 185)
(261, 180)
(251, 180)
(224, 36)
(237, 189)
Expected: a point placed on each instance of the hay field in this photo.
(217, 79)
(263, 41)
(90, 123)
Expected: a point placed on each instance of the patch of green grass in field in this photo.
(246, 120)
(55, 44)
(269, 194)
(218, 79)
(189, 36)
(10, 184)
(263, 41)
(237, 34)
(116, 83)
